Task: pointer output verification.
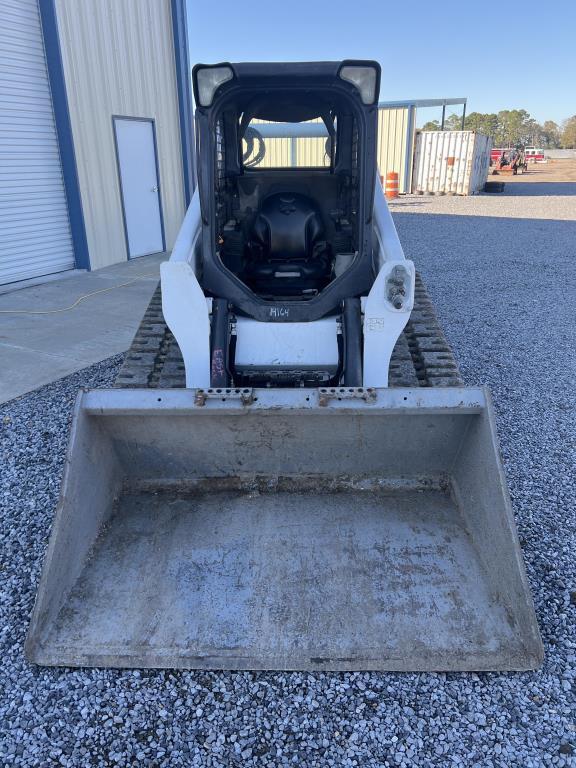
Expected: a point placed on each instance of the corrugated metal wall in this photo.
(395, 147)
(278, 151)
(309, 152)
(312, 152)
(35, 235)
(118, 59)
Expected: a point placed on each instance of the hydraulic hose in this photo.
(219, 376)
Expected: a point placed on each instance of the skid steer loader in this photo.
(289, 473)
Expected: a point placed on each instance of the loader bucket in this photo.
(285, 529)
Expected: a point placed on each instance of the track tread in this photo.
(433, 359)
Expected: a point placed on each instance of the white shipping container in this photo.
(450, 162)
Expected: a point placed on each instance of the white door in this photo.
(136, 149)
(35, 237)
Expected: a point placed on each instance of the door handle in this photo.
(154, 189)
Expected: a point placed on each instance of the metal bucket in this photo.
(282, 529)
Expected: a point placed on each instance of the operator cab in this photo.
(286, 175)
(286, 189)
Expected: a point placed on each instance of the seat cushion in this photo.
(287, 227)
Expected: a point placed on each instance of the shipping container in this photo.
(450, 162)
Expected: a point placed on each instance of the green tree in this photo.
(550, 134)
(510, 127)
(482, 123)
(532, 133)
(568, 138)
(514, 127)
(453, 123)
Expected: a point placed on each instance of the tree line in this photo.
(513, 127)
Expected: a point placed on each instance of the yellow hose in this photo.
(67, 309)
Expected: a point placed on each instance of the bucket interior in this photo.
(349, 540)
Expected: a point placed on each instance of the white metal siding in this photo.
(35, 235)
(451, 162)
(118, 58)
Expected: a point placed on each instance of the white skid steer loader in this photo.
(319, 492)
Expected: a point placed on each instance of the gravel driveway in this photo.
(501, 271)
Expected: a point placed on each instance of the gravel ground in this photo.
(534, 200)
(506, 312)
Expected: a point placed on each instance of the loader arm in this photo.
(391, 298)
(185, 308)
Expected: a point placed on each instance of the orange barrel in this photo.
(391, 184)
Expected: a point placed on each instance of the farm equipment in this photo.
(509, 162)
(289, 473)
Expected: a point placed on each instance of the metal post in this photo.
(408, 161)
(293, 153)
(463, 115)
(443, 116)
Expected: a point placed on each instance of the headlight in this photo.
(208, 80)
(364, 78)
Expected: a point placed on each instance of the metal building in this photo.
(305, 145)
(397, 133)
(95, 132)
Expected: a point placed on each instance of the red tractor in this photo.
(508, 161)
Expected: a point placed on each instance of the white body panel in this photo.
(450, 162)
(272, 346)
(35, 237)
(140, 191)
(383, 324)
(184, 305)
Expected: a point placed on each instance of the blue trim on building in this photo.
(64, 130)
(180, 34)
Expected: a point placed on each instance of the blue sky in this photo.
(427, 49)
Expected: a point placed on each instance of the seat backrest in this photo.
(287, 226)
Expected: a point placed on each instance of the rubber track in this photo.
(421, 358)
(433, 359)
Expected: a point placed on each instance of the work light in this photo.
(208, 80)
(365, 78)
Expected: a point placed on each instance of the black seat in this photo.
(288, 252)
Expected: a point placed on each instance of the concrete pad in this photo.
(37, 349)
(22, 371)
